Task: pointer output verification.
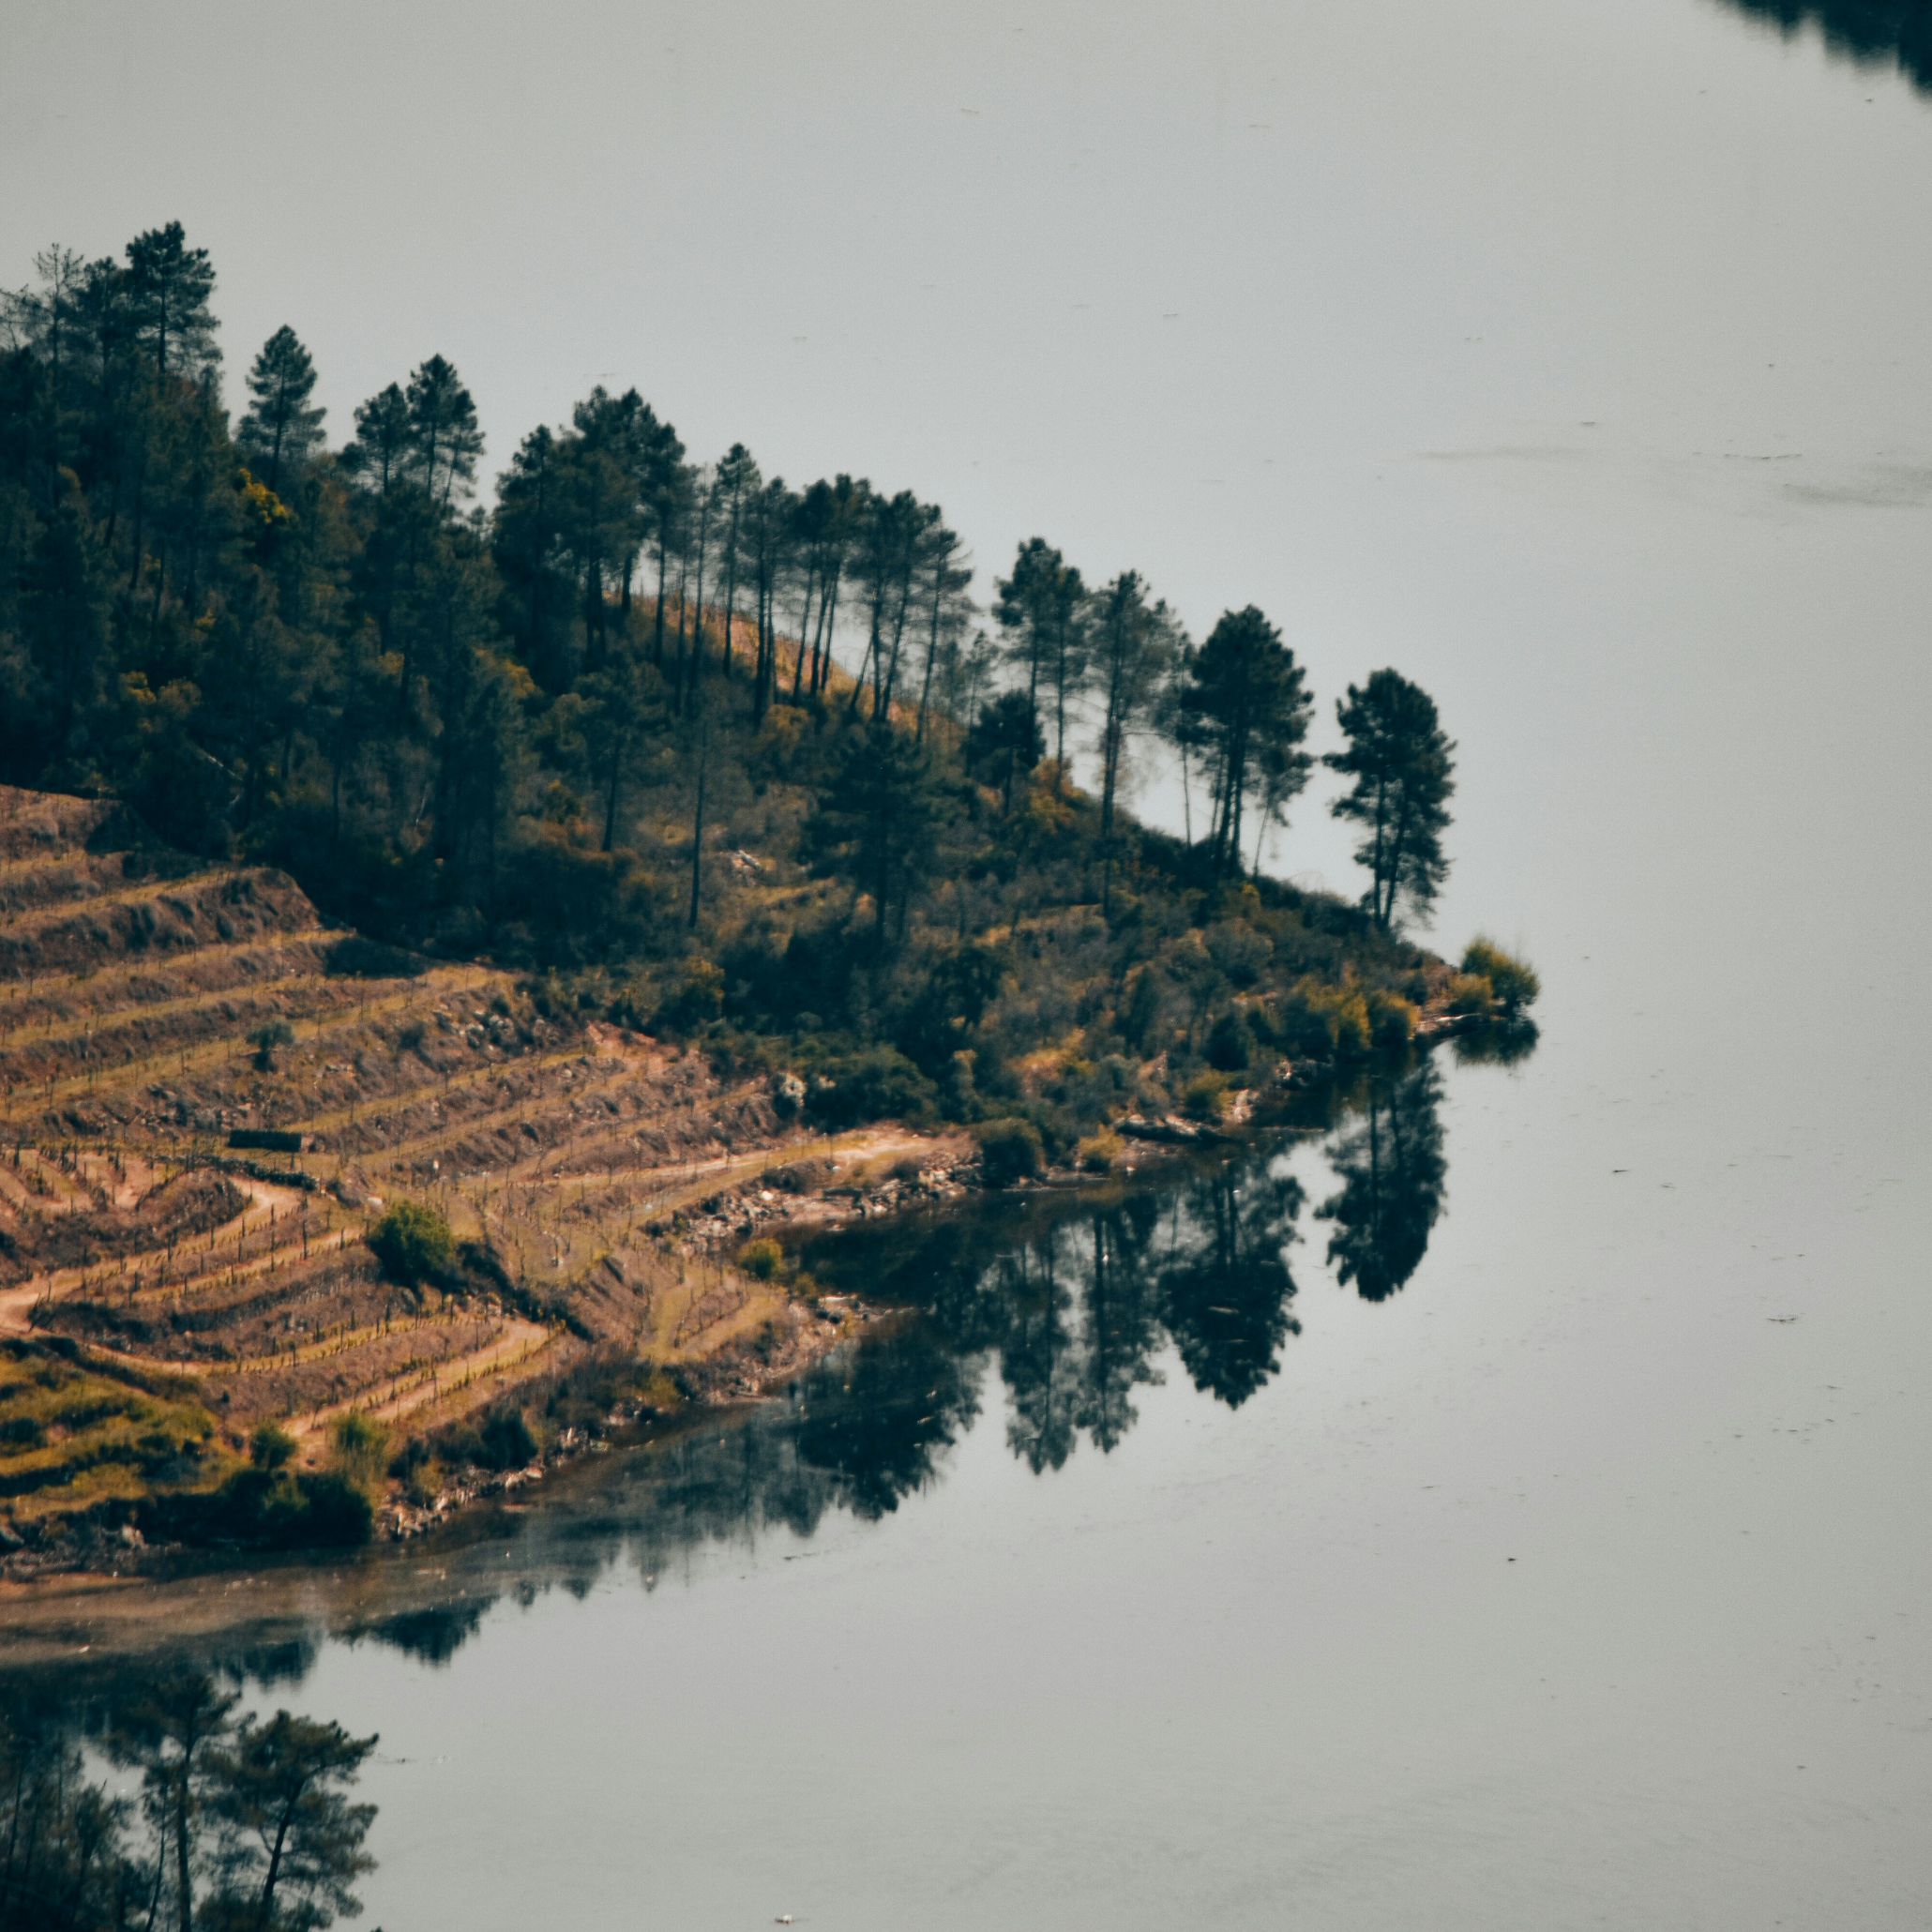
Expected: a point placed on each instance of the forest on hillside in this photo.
(696, 748)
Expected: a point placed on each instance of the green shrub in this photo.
(761, 1258)
(361, 1445)
(268, 1038)
(1514, 981)
(1322, 1022)
(413, 1242)
(1469, 993)
(697, 1000)
(506, 1442)
(270, 1447)
(1098, 1151)
(1391, 1020)
(1009, 1150)
(1205, 1096)
(267, 1506)
(881, 1085)
(334, 1514)
(1229, 1043)
(1140, 1018)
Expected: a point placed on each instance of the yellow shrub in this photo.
(1391, 1018)
(1205, 1096)
(761, 1258)
(1513, 981)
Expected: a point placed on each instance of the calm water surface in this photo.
(1539, 1538)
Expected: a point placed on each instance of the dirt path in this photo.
(265, 1198)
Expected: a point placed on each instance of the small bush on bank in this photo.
(1098, 1151)
(506, 1440)
(1513, 981)
(1391, 1020)
(1205, 1096)
(761, 1258)
(413, 1242)
(1009, 1150)
(268, 1506)
(1469, 993)
(360, 1446)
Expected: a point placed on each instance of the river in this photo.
(1536, 1538)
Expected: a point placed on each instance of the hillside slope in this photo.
(209, 1097)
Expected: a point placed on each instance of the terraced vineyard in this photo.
(207, 1099)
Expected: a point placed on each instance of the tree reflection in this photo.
(1069, 1299)
(1123, 1319)
(231, 1821)
(1899, 32)
(1392, 1168)
(1226, 1288)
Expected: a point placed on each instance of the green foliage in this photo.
(270, 1447)
(1468, 993)
(505, 1439)
(1097, 1152)
(1326, 1021)
(266, 1037)
(240, 1826)
(413, 1242)
(1514, 981)
(878, 1084)
(1009, 1150)
(761, 1258)
(1245, 701)
(1205, 1096)
(1402, 763)
(1230, 1043)
(360, 1448)
(273, 1507)
(697, 1000)
(279, 1789)
(1391, 1018)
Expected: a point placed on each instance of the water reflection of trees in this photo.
(138, 1793)
(1897, 32)
(1392, 1168)
(1058, 1307)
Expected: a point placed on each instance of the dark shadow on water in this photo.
(1890, 33)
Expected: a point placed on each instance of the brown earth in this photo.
(599, 1183)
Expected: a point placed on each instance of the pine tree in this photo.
(443, 439)
(64, 608)
(1403, 765)
(381, 439)
(170, 285)
(1134, 642)
(279, 423)
(1246, 701)
(1042, 608)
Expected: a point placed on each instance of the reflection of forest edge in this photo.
(1899, 32)
(1072, 1300)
